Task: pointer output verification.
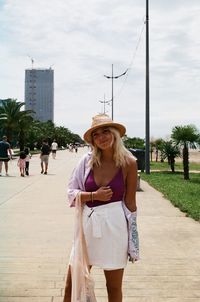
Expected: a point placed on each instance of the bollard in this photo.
(138, 183)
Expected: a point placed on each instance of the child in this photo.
(27, 159)
(21, 162)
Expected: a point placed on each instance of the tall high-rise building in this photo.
(39, 93)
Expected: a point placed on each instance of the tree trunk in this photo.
(9, 135)
(186, 162)
(156, 155)
(21, 141)
(151, 155)
(172, 164)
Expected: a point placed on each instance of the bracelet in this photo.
(91, 194)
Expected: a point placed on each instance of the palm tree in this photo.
(170, 151)
(157, 145)
(8, 113)
(13, 120)
(185, 137)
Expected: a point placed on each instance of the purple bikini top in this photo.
(116, 185)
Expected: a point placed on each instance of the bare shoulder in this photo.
(131, 162)
(131, 165)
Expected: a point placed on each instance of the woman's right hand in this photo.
(103, 194)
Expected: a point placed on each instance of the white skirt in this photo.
(106, 235)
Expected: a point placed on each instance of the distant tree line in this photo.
(22, 130)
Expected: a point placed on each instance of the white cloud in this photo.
(81, 39)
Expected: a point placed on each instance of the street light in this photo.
(114, 77)
(147, 141)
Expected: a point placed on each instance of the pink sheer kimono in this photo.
(82, 282)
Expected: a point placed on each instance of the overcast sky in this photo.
(81, 40)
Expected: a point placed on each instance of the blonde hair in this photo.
(120, 155)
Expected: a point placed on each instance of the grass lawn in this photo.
(184, 194)
(178, 166)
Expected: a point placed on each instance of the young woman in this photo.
(22, 162)
(105, 180)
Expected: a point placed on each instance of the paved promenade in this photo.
(36, 231)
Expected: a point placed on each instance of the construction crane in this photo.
(32, 61)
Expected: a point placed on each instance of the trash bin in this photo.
(140, 155)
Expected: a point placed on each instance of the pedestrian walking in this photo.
(70, 147)
(103, 190)
(44, 156)
(27, 160)
(5, 151)
(54, 147)
(22, 163)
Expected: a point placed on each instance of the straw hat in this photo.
(102, 120)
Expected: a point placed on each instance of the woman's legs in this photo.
(42, 167)
(27, 168)
(1, 164)
(114, 284)
(22, 171)
(6, 166)
(68, 287)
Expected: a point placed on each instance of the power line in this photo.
(132, 61)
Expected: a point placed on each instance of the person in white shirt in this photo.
(54, 147)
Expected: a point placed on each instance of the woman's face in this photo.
(103, 138)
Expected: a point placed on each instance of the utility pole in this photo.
(104, 102)
(114, 77)
(147, 136)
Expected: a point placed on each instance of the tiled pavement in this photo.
(36, 230)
